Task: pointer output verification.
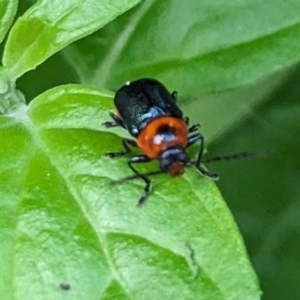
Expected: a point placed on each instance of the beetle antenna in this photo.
(234, 156)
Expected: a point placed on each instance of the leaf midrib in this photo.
(101, 237)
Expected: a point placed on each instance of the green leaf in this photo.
(49, 26)
(218, 113)
(8, 9)
(62, 223)
(194, 46)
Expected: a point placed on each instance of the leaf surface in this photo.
(49, 26)
(62, 223)
(8, 9)
(193, 46)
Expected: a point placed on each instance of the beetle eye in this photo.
(173, 161)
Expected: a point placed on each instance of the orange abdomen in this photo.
(161, 134)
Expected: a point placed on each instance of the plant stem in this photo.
(11, 99)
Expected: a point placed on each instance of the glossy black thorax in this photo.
(139, 102)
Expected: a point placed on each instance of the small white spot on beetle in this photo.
(127, 83)
(134, 130)
(157, 139)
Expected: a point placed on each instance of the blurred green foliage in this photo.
(257, 106)
(264, 195)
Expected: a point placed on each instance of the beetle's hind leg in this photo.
(126, 143)
(117, 121)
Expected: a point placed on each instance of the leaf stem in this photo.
(11, 99)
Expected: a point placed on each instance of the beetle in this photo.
(151, 115)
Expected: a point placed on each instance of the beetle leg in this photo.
(174, 95)
(117, 121)
(193, 128)
(141, 159)
(186, 120)
(191, 140)
(126, 143)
